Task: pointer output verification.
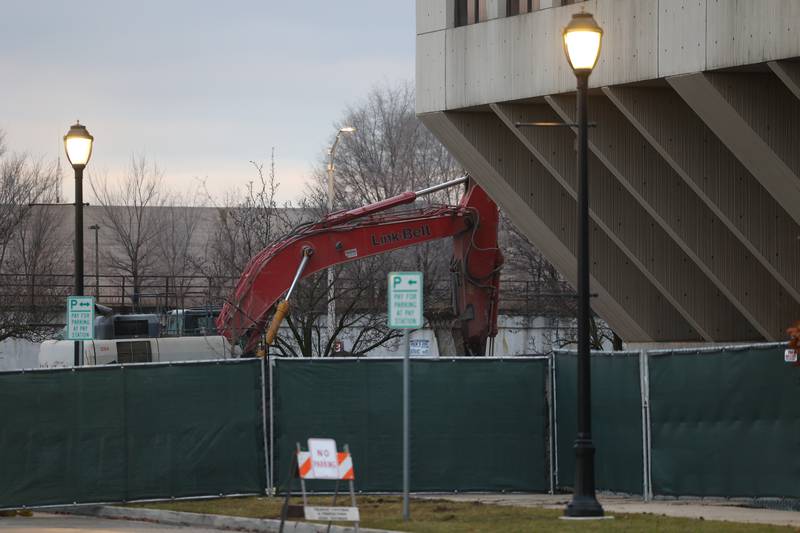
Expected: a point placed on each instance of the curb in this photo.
(212, 521)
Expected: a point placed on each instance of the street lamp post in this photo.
(78, 145)
(582, 38)
(331, 289)
(96, 229)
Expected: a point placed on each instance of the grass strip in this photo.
(442, 516)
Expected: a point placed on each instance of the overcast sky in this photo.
(199, 86)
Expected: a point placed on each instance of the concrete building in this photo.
(695, 159)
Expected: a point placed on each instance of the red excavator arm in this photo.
(353, 234)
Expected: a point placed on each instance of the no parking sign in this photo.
(324, 464)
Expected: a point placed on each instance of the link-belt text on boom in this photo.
(405, 234)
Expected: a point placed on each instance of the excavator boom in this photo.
(351, 235)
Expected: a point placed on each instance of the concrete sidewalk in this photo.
(717, 510)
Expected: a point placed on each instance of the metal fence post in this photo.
(555, 421)
(271, 363)
(406, 425)
(264, 386)
(644, 387)
(551, 397)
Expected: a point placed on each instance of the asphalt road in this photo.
(52, 523)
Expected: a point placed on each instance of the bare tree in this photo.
(24, 181)
(250, 221)
(546, 292)
(31, 246)
(131, 211)
(39, 246)
(247, 222)
(391, 152)
(176, 239)
(360, 291)
(532, 285)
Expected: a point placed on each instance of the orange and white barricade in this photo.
(318, 464)
(344, 460)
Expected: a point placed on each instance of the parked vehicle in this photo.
(124, 339)
(127, 326)
(57, 354)
(192, 322)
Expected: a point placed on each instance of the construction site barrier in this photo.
(719, 422)
(123, 433)
(617, 428)
(712, 422)
(725, 422)
(476, 423)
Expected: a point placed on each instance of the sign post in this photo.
(405, 312)
(80, 320)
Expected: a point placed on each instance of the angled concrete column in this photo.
(768, 107)
(635, 230)
(716, 177)
(789, 73)
(545, 211)
(694, 228)
(738, 135)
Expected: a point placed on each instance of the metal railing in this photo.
(123, 293)
(156, 293)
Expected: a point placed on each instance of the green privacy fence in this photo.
(617, 429)
(725, 423)
(121, 433)
(722, 422)
(476, 424)
(719, 422)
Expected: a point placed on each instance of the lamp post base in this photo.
(584, 503)
(584, 506)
